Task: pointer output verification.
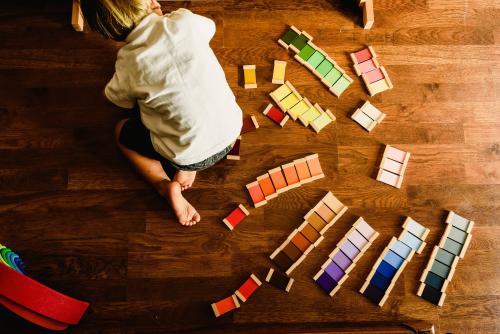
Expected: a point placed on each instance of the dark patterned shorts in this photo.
(135, 136)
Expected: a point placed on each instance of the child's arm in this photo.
(201, 24)
(118, 92)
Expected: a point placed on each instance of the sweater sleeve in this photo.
(203, 26)
(117, 92)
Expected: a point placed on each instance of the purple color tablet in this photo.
(334, 271)
(349, 249)
(342, 260)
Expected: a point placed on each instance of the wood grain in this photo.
(86, 224)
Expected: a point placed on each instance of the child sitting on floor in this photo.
(188, 117)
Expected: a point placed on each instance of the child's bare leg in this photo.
(153, 172)
(185, 178)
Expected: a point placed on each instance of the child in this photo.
(189, 117)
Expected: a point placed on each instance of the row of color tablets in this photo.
(393, 166)
(291, 102)
(393, 260)
(281, 179)
(375, 76)
(444, 259)
(316, 60)
(309, 234)
(344, 257)
(11, 259)
(244, 292)
(368, 116)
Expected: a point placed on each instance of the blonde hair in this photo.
(114, 19)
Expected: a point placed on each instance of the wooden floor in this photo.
(86, 224)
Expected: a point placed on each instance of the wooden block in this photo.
(250, 76)
(306, 53)
(380, 85)
(445, 236)
(278, 180)
(364, 286)
(432, 258)
(279, 72)
(368, 14)
(234, 154)
(287, 38)
(302, 170)
(299, 42)
(377, 87)
(365, 229)
(296, 264)
(315, 220)
(322, 121)
(343, 261)
(362, 119)
(459, 222)
(279, 280)
(282, 261)
(279, 94)
(373, 76)
(292, 251)
(366, 66)
(314, 167)
(324, 212)
(256, 194)
(392, 166)
(371, 111)
(236, 216)
(333, 203)
(396, 154)
(278, 250)
(249, 124)
(76, 16)
(299, 108)
(225, 305)
(267, 187)
(324, 66)
(388, 178)
(341, 85)
(414, 242)
(310, 115)
(248, 288)
(415, 228)
(291, 177)
(431, 295)
(310, 233)
(300, 241)
(363, 55)
(290, 101)
(276, 115)
(465, 246)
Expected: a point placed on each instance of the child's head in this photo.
(115, 19)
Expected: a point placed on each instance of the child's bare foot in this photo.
(185, 212)
(185, 178)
